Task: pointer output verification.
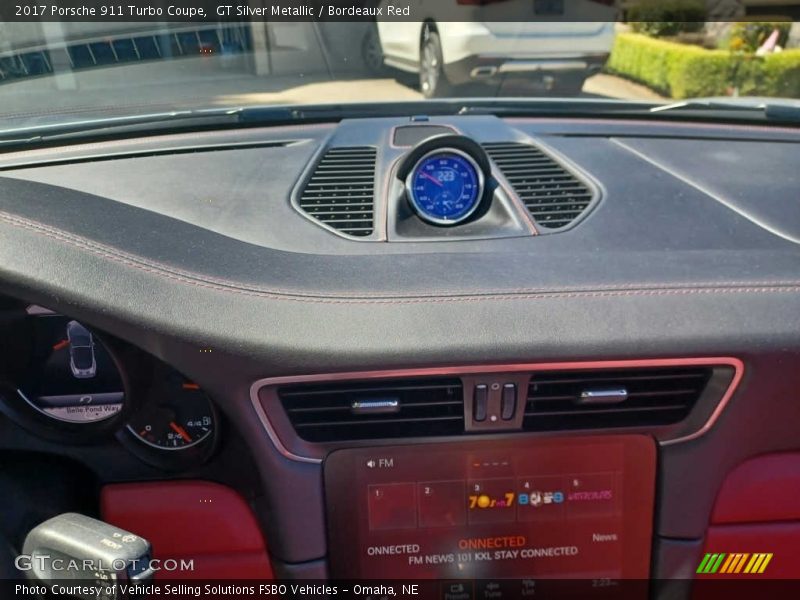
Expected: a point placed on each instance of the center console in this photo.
(568, 508)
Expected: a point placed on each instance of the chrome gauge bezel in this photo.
(409, 186)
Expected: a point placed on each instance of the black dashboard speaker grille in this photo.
(341, 191)
(375, 409)
(641, 397)
(552, 194)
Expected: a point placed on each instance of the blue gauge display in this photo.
(445, 186)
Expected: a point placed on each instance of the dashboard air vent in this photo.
(375, 409)
(643, 397)
(341, 190)
(552, 194)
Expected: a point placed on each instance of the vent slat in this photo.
(631, 395)
(536, 189)
(526, 184)
(606, 411)
(345, 211)
(602, 379)
(538, 211)
(356, 179)
(347, 408)
(653, 397)
(341, 190)
(372, 389)
(555, 204)
(425, 407)
(337, 205)
(377, 422)
(527, 170)
(538, 180)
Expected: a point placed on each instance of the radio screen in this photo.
(558, 508)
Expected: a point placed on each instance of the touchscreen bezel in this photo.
(345, 480)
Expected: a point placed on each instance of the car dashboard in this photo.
(401, 338)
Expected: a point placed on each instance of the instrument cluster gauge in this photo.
(70, 376)
(176, 424)
(445, 186)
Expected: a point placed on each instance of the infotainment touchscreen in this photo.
(533, 508)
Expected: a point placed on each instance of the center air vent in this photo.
(594, 399)
(375, 409)
(552, 194)
(341, 190)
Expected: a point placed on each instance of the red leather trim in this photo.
(780, 539)
(762, 489)
(199, 520)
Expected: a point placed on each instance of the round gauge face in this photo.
(445, 187)
(70, 376)
(177, 416)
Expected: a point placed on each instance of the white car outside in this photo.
(537, 43)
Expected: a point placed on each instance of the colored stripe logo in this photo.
(734, 563)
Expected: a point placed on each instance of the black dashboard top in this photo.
(206, 246)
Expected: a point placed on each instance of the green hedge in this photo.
(684, 71)
(659, 18)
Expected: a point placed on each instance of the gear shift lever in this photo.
(79, 552)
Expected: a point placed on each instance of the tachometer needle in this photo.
(432, 178)
(180, 431)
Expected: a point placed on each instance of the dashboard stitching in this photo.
(455, 296)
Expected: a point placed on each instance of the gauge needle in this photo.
(432, 178)
(180, 431)
(60, 345)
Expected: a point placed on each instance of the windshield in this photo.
(56, 67)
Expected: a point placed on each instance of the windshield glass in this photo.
(56, 67)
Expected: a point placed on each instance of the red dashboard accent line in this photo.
(206, 522)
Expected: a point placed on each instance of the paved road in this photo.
(364, 90)
(609, 86)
